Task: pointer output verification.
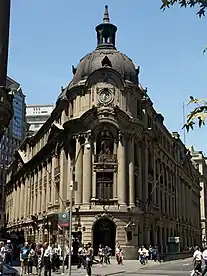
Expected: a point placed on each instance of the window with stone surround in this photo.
(104, 185)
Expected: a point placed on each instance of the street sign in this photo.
(63, 219)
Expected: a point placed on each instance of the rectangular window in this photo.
(104, 185)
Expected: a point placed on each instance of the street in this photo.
(133, 267)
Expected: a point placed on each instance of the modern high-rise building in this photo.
(12, 137)
(37, 115)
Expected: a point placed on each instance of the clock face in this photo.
(105, 96)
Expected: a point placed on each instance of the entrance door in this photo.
(104, 232)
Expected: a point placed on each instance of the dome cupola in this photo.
(105, 55)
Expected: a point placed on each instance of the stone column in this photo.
(115, 195)
(53, 186)
(63, 177)
(26, 196)
(18, 202)
(69, 176)
(140, 195)
(167, 192)
(21, 205)
(155, 182)
(163, 191)
(146, 173)
(87, 176)
(44, 185)
(39, 193)
(131, 172)
(48, 185)
(14, 202)
(121, 178)
(79, 171)
(29, 196)
(93, 172)
(34, 201)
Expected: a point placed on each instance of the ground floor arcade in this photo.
(129, 230)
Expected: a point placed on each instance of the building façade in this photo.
(136, 183)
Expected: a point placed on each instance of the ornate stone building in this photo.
(199, 158)
(135, 181)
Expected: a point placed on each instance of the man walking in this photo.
(205, 260)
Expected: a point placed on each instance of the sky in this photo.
(47, 37)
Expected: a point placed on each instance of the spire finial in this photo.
(106, 15)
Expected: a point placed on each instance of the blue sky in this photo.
(49, 36)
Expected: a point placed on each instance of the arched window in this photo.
(104, 142)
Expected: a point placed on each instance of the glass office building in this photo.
(12, 138)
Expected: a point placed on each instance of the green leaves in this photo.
(199, 113)
(200, 4)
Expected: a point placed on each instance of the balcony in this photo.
(105, 158)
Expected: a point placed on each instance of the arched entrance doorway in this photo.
(104, 232)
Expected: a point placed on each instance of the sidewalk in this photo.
(129, 266)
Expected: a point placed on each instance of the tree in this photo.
(200, 4)
(199, 113)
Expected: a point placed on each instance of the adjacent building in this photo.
(135, 181)
(201, 161)
(37, 115)
(12, 137)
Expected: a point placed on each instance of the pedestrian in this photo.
(101, 254)
(150, 252)
(119, 255)
(8, 252)
(89, 259)
(39, 254)
(197, 260)
(47, 259)
(31, 259)
(205, 260)
(2, 257)
(107, 254)
(81, 261)
(24, 254)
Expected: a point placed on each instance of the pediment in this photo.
(187, 165)
(55, 130)
(18, 162)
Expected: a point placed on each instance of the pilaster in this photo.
(79, 170)
(26, 196)
(93, 172)
(146, 172)
(131, 171)
(63, 177)
(121, 170)
(87, 176)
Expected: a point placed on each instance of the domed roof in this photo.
(105, 55)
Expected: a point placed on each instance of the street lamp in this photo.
(88, 147)
(6, 98)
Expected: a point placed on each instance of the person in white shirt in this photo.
(197, 260)
(142, 254)
(205, 260)
(47, 259)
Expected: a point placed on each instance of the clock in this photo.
(105, 96)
